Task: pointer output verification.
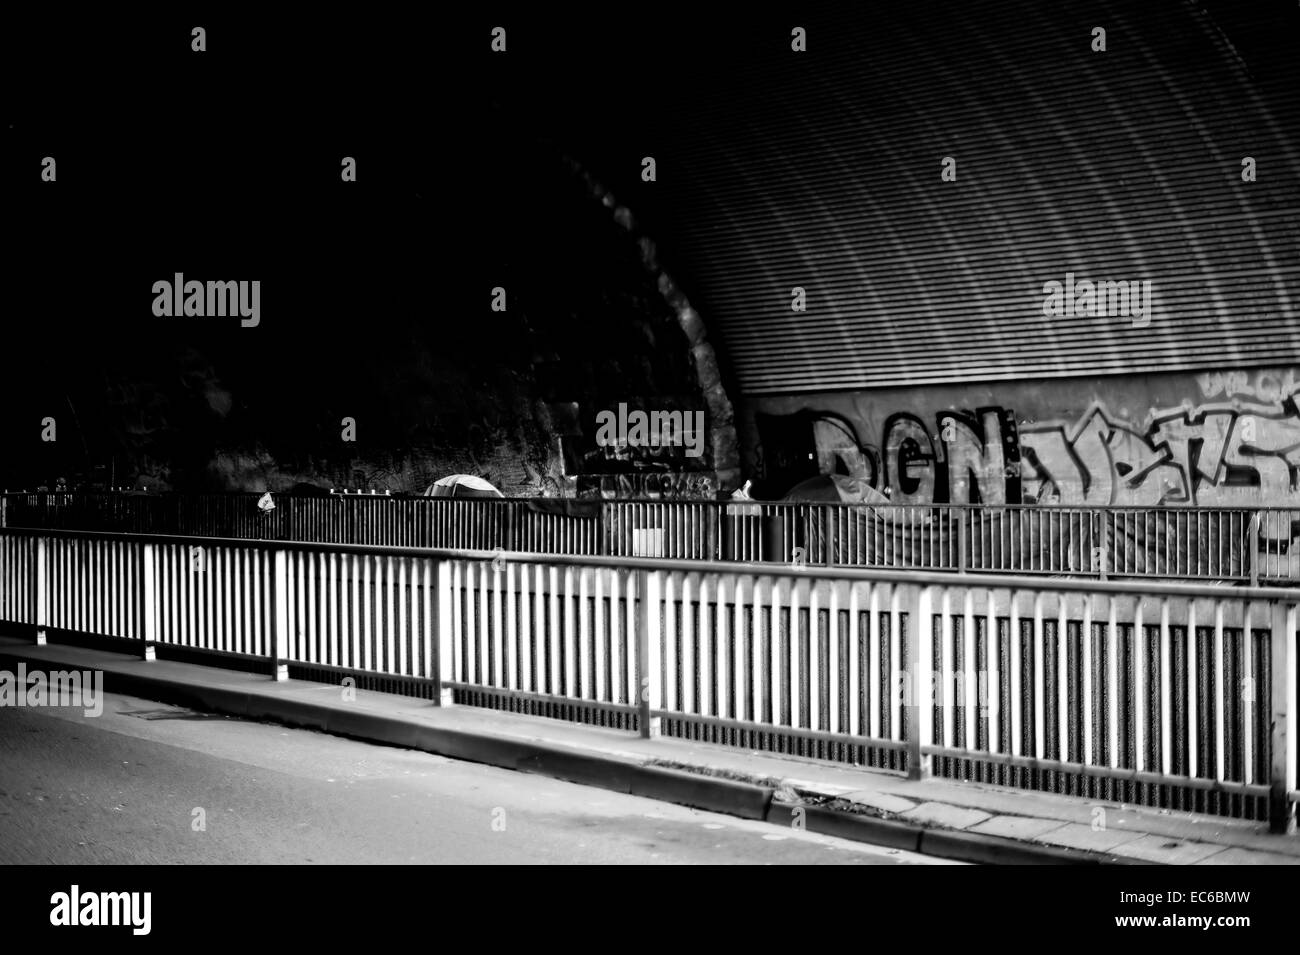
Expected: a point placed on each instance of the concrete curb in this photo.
(714, 793)
(859, 828)
(584, 768)
(998, 850)
(697, 790)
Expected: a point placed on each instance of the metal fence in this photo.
(1237, 545)
(1162, 694)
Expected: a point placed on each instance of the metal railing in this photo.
(1155, 693)
(1258, 545)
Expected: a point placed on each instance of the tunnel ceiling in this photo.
(823, 170)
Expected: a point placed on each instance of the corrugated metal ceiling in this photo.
(1123, 165)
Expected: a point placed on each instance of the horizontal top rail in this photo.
(923, 578)
(1170, 507)
(1249, 545)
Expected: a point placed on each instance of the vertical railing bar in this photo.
(970, 668)
(1015, 661)
(1247, 688)
(1166, 691)
(1139, 687)
(1087, 723)
(1194, 734)
(1062, 679)
(1039, 676)
(1219, 684)
(948, 649)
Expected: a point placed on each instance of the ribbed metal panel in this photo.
(822, 170)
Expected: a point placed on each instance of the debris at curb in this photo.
(839, 804)
(719, 773)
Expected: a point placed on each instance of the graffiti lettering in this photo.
(982, 463)
(1268, 386)
(1229, 454)
(909, 460)
(651, 485)
(839, 451)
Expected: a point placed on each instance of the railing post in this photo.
(1252, 548)
(41, 597)
(828, 534)
(918, 680)
(280, 596)
(963, 535)
(148, 603)
(508, 509)
(442, 637)
(1105, 544)
(1282, 766)
(650, 689)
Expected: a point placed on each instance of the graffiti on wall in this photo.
(1236, 446)
(629, 469)
(972, 457)
(1232, 451)
(649, 485)
(1222, 455)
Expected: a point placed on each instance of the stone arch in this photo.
(724, 443)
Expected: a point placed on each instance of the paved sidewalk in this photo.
(975, 821)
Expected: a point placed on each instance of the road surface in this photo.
(147, 783)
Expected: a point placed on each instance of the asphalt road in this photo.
(147, 783)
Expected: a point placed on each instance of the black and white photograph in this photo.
(836, 433)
